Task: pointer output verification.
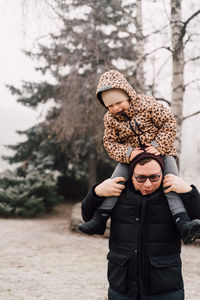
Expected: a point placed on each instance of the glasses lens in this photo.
(154, 178)
(143, 178)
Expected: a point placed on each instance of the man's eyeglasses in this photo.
(143, 178)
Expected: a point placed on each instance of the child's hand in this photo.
(134, 153)
(152, 150)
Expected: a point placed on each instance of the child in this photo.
(133, 123)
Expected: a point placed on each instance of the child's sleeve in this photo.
(164, 120)
(115, 149)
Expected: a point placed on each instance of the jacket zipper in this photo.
(137, 251)
(133, 130)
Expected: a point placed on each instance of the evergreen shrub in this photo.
(29, 196)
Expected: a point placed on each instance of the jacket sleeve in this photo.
(165, 122)
(111, 141)
(89, 204)
(191, 200)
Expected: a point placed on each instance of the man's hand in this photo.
(175, 184)
(110, 187)
(152, 150)
(134, 153)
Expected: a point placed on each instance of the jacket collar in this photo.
(128, 113)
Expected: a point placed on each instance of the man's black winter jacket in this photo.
(144, 258)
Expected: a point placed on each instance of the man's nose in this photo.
(148, 182)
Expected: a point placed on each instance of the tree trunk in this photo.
(177, 69)
(92, 169)
(140, 80)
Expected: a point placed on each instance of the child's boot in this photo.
(189, 230)
(96, 225)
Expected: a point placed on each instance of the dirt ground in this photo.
(42, 259)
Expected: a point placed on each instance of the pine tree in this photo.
(28, 196)
(38, 152)
(95, 36)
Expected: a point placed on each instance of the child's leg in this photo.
(174, 200)
(189, 230)
(97, 224)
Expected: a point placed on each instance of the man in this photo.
(144, 259)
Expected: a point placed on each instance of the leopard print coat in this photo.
(149, 119)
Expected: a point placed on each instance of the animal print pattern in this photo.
(150, 120)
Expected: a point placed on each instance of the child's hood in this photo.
(114, 79)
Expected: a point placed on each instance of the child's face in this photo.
(119, 107)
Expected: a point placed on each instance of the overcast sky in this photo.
(14, 67)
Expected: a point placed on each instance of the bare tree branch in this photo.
(189, 116)
(192, 59)
(191, 17)
(188, 40)
(161, 67)
(190, 82)
(185, 24)
(164, 100)
(159, 48)
(55, 10)
(146, 54)
(156, 31)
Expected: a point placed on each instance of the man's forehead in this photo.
(150, 167)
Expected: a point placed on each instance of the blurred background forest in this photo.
(155, 44)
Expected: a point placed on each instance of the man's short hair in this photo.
(144, 158)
